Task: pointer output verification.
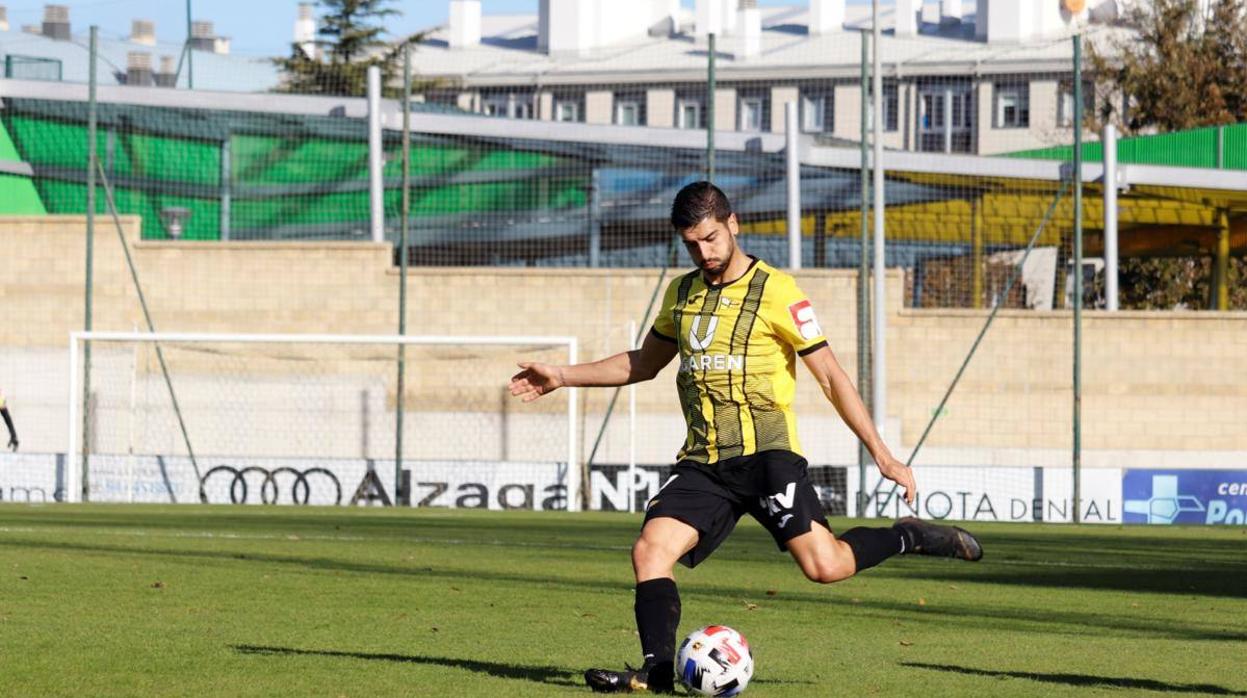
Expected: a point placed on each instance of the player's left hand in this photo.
(899, 473)
(13, 444)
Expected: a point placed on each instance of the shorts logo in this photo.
(803, 317)
(784, 521)
(654, 500)
(780, 500)
(701, 343)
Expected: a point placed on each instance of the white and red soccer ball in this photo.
(714, 661)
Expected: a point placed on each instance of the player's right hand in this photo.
(535, 380)
(898, 472)
(13, 444)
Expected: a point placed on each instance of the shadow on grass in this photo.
(1197, 579)
(538, 674)
(1086, 680)
(971, 614)
(1137, 560)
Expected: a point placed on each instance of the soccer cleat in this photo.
(643, 680)
(927, 538)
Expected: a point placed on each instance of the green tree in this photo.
(1178, 71)
(349, 42)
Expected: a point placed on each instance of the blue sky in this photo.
(255, 26)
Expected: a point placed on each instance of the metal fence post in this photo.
(595, 218)
(1109, 143)
(879, 362)
(226, 192)
(92, 123)
(1078, 117)
(863, 270)
(376, 186)
(793, 170)
(190, 60)
(1221, 262)
(710, 111)
(401, 495)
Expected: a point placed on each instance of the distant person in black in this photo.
(8, 421)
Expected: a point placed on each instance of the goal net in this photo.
(316, 419)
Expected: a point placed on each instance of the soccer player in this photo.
(737, 325)
(8, 422)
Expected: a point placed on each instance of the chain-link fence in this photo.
(532, 186)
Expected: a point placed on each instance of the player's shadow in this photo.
(540, 674)
(1085, 680)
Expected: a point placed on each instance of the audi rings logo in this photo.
(274, 485)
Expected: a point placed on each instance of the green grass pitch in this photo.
(249, 601)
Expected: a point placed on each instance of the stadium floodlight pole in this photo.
(376, 191)
(879, 362)
(401, 495)
(710, 110)
(92, 157)
(1109, 142)
(863, 271)
(793, 169)
(1078, 116)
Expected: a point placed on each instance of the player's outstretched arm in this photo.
(625, 368)
(841, 393)
(8, 422)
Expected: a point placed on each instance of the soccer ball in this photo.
(715, 661)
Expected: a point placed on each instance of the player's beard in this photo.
(718, 266)
(713, 266)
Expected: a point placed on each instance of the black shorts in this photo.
(772, 486)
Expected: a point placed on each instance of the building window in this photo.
(449, 100)
(507, 105)
(1065, 103)
(1013, 109)
(891, 108)
(630, 110)
(689, 112)
(946, 117)
(753, 113)
(567, 109)
(816, 112)
(495, 105)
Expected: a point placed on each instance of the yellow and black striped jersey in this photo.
(738, 344)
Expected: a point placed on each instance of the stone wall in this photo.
(1172, 381)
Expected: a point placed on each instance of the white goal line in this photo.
(74, 466)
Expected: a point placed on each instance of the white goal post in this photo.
(255, 418)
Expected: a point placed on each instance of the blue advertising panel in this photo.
(1184, 496)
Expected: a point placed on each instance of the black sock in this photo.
(657, 617)
(874, 545)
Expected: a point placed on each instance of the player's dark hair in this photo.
(697, 202)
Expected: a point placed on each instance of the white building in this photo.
(979, 76)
